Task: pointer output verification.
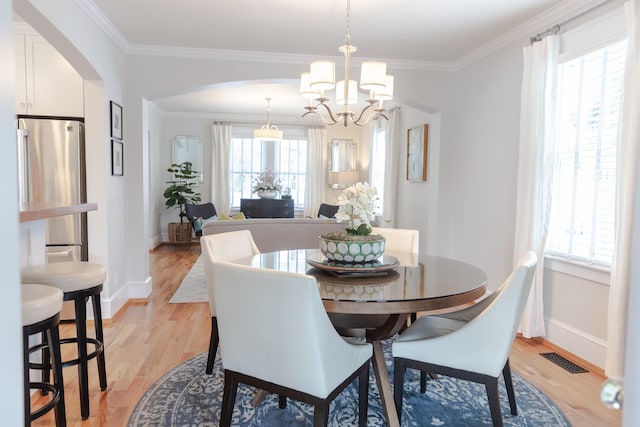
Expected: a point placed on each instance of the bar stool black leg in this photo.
(56, 362)
(97, 316)
(25, 370)
(51, 342)
(83, 371)
(45, 358)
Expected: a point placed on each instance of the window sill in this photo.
(598, 274)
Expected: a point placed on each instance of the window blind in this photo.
(589, 107)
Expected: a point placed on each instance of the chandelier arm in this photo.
(326, 107)
(321, 117)
(364, 110)
(358, 123)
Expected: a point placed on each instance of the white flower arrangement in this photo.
(267, 181)
(357, 207)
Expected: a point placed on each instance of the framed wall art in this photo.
(116, 121)
(117, 158)
(417, 148)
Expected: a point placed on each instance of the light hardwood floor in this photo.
(148, 338)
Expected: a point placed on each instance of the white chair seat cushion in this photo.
(40, 302)
(67, 276)
(430, 327)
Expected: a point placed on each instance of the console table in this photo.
(267, 208)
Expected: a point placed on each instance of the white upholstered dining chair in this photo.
(222, 247)
(403, 242)
(277, 337)
(474, 346)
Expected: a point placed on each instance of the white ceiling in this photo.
(419, 32)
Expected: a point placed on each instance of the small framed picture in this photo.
(116, 121)
(417, 147)
(117, 158)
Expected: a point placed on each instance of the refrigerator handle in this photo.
(23, 164)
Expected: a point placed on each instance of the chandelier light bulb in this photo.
(373, 75)
(385, 93)
(323, 75)
(352, 93)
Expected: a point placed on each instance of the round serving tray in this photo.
(382, 265)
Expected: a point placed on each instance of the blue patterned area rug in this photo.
(187, 396)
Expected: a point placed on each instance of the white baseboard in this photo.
(140, 289)
(575, 341)
(155, 241)
(110, 306)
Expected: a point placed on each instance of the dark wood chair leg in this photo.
(321, 414)
(508, 382)
(83, 371)
(398, 386)
(228, 398)
(213, 345)
(423, 382)
(97, 320)
(363, 396)
(491, 385)
(282, 401)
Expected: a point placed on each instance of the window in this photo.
(377, 168)
(589, 104)
(287, 158)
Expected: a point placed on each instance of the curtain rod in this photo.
(556, 28)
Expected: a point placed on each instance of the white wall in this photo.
(11, 406)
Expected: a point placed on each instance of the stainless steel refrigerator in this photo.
(51, 167)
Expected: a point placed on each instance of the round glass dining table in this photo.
(378, 298)
(400, 283)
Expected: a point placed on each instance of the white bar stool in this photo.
(41, 307)
(78, 281)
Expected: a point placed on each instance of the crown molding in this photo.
(89, 7)
(552, 16)
(270, 57)
(558, 13)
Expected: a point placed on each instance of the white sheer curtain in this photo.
(316, 170)
(535, 169)
(627, 180)
(221, 150)
(393, 142)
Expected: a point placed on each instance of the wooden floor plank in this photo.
(145, 340)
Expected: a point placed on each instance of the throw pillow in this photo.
(197, 224)
(224, 217)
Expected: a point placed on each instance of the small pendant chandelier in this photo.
(268, 132)
(321, 77)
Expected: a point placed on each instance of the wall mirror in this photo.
(188, 149)
(343, 162)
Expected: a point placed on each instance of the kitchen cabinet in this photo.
(46, 84)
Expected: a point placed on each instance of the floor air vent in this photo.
(564, 363)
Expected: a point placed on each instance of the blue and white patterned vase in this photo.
(351, 250)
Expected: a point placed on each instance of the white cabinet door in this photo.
(21, 75)
(52, 85)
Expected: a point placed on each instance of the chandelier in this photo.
(321, 77)
(268, 132)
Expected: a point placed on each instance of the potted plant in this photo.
(178, 195)
(266, 185)
(355, 243)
